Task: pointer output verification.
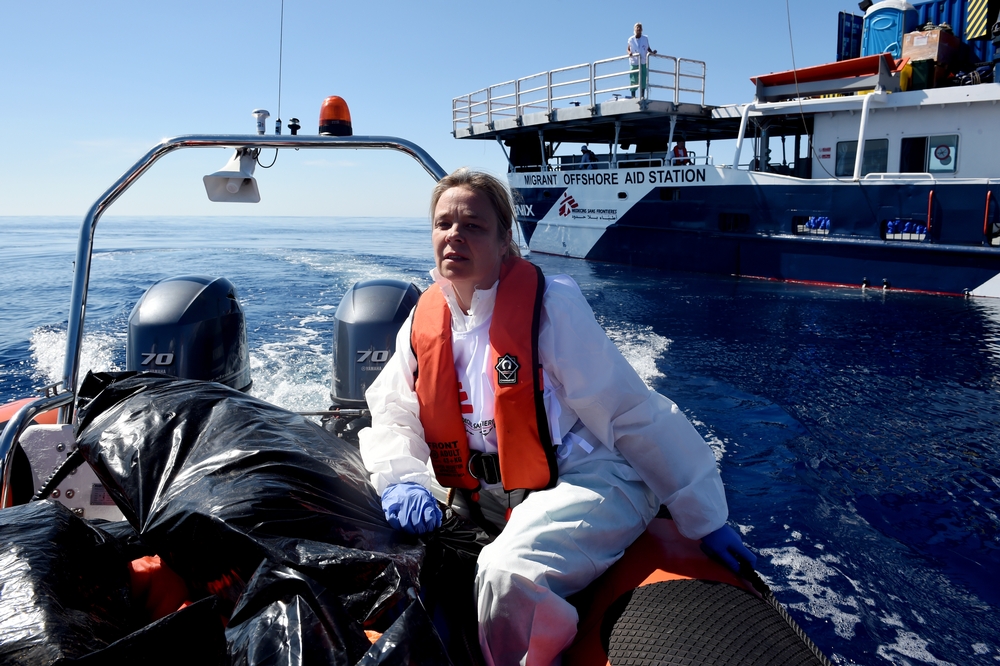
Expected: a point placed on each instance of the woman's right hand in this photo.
(411, 508)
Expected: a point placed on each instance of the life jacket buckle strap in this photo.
(485, 467)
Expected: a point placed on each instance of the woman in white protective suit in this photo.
(507, 383)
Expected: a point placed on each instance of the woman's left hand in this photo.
(725, 544)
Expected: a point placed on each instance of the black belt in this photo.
(485, 467)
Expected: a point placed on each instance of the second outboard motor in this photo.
(364, 337)
(192, 327)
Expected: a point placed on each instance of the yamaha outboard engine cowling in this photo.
(192, 327)
(364, 335)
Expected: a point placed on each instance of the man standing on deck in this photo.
(638, 51)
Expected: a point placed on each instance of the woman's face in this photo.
(467, 249)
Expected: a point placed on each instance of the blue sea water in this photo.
(857, 431)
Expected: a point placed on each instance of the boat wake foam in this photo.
(48, 353)
(641, 347)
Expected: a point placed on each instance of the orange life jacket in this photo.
(527, 457)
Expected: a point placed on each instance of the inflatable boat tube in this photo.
(666, 602)
(7, 411)
(21, 479)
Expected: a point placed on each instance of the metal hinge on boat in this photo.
(50, 390)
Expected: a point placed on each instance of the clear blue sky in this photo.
(88, 87)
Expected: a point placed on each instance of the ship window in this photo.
(913, 154)
(928, 154)
(670, 193)
(942, 153)
(876, 158)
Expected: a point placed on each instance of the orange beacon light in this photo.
(335, 117)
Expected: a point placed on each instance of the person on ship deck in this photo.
(638, 52)
(679, 155)
(566, 458)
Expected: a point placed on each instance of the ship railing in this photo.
(615, 83)
(483, 105)
(692, 159)
(624, 161)
(669, 79)
(579, 166)
(673, 76)
(533, 93)
(787, 169)
(695, 78)
(899, 176)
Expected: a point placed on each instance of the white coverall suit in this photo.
(622, 451)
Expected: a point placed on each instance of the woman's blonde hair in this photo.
(495, 191)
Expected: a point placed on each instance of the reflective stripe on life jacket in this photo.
(527, 457)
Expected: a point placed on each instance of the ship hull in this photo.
(721, 221)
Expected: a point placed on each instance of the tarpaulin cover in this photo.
(64, 586)
(275, 517)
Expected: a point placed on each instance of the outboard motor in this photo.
(364, 338)
(192, 327)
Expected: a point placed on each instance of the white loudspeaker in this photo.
(235, 181)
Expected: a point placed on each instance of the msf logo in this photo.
(567, 205)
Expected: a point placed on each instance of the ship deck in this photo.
(592, 103)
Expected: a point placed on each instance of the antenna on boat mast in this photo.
(281, 40)
(294, 126)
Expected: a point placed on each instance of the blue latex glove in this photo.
(725, 544)
(411, 507)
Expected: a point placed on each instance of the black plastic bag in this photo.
(398, 647)
(275, 516)
(285, 617)
(128, 540)
(64, 586)
(447, 580)
(216, 481)
(192, 636)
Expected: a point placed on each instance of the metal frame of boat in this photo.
(835, 215)
(63, 396)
